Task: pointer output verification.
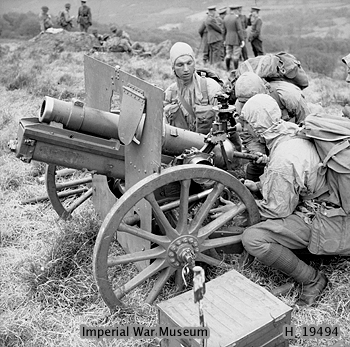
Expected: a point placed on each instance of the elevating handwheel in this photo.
(177, 242)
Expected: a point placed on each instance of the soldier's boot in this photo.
(228, 64)
(313, 282)
(283, 259)
(310, 292)
(236, 63)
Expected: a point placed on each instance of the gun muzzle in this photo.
(78, 117)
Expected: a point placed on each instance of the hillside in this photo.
(170, 14)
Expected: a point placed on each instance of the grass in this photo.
(46, 283)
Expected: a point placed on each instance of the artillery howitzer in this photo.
(173, 177)
(168, 180)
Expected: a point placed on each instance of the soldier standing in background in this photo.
(214, 35)
(255, 33)
(45, 19)
(222, 14)
(346, 61)
(66, 20)
(203, 33)
(233, 37)
(84, 16)
(244, 22)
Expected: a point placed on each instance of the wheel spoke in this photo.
(159, 284)
(162, 221)
(183, 210)
(210, 260)
(208, 229)
(220, 242)
(192, 198)
(80, 200)
(75, 183)
(146, 235)
(145, 274)
(205, 208)
(148, 254)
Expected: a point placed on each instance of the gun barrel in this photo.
(78, 117)
(101, 129)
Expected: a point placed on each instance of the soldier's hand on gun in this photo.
(226, 205)
(263, 158)
(251, 185)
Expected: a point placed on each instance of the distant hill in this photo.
(170, 14)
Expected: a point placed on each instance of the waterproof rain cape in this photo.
(331, 136)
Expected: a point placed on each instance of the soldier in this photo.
(255, 33)
(289, 98)
(203, 33)
(222, 14)
(244, 22)
(215, 38)
(233, 37)
(84, 16)
(120, 33)
(45, 19)
(346, 60)
(286, 223)
(188, 102)
(97, 46)
(66, 20)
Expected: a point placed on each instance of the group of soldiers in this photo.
(286, 173)
(118, 40)
(224, 35)
(65, 20)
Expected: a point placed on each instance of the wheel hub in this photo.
(183, 250)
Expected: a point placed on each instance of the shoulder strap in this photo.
(204, 90)
(186, 105)
(249, 66)
(274, 94)
(259, 66)
(335, 150)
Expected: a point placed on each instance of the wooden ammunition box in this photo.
(238, 312)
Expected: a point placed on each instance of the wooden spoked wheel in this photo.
(176, 245)
(59, 189)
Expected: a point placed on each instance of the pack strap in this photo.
(259, 66)
(186, 105)
(205, 100)
(204, 90)
(249, 66)
(274, 94)
(335, 150)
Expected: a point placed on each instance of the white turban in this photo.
(178, 50)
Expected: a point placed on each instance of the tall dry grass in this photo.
(46, 282)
